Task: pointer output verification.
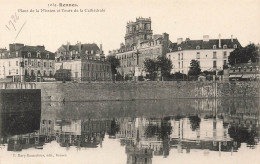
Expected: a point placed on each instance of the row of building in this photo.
(81, 62)
(140, 43)
(86, 62)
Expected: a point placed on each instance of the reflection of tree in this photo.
(114, 128)
(162, 131)
(241, 135)
(194, 122)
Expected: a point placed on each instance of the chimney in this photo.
(68, 45)
(79, 46)
(205, 38)
(232, 38)
(179, 40)
(101, 51)
(219, 41)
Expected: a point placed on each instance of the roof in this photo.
(192, 44)
(34, 49)
(84, 47)
(242, 65)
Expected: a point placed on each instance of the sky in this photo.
(179, 18)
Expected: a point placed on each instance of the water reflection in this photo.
(146, 129)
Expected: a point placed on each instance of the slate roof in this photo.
(84, 47)
(34, 49)
(192, 44)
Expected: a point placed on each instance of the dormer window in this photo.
(29, 54)
(179, 48)
(16, 53)
(214, 46)
(48, 56)
(225, 46)
(86, 52)
(38, 55)
(198, 47)
(235, 46)
(92, 51)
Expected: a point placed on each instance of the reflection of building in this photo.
(140, 43)
(32, 63)
(212, 54)
(85, 61)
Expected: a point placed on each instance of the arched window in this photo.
(179, 48)
(235, 46)
(197, 47)
(214, 46)
(225, 46)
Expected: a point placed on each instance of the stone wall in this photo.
(144, 90)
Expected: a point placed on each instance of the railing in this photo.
(17, 85)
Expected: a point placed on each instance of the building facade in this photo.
(244, 71)
(140, 43)
(85, 61)
(212, 54)
(26, 63)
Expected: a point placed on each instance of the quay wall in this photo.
(121, 91)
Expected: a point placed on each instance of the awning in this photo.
(247, 76)
(231, 76)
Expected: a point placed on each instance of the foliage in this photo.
(150, 66)
(179, 76)
(243, 55)
(194, 68)
(166, 66)
(114, 63)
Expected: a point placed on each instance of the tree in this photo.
(194, 68)
(114, 64)
(243, 55)
(150, 66)
(166, 66)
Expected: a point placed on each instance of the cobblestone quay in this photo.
(125, 91)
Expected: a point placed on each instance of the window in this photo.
(251, 68)
(225, 62)
(32, 63)
(16, 71)
(198, 55)
(239, 69)
(25, 62)
(92, 51)
(197, 47)
(214, 55)
(245, 69)
(44, 64)
(234, 69)
(225, 54)
(235, 46)
(50, 64)
(48, 56)
(179, 65)
(181, 56)
(225, 46)
(39, 64)
(29, 54)
(182, 64)
(214, 64)
(16, 53)
(38, 55)
(178, 56)
(179, 48)
(16, 63)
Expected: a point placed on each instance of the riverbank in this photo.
(145, 90)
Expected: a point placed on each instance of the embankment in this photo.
(145, 90)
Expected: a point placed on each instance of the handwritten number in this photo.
(7, 27)
(17, 17)
(10, 22)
